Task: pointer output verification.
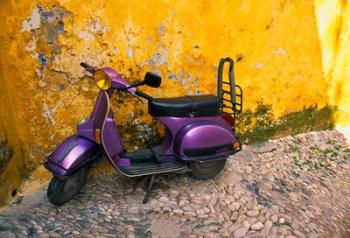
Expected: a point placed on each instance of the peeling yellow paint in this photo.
(275, 41)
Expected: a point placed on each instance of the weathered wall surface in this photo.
(275, 45)
(12, 168)
(333, 18)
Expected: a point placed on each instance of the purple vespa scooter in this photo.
(199, 136)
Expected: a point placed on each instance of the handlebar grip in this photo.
(87, 67)
(84, 65)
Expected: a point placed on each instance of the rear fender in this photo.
(71, 155)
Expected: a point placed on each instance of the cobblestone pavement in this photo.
(290, 187)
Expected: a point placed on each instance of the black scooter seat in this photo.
(185, 106)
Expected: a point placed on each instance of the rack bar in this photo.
(235, 92)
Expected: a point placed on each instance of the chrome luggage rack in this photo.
(231, 100)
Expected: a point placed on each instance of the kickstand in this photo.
(149, 188)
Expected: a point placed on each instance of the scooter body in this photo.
(196, 132)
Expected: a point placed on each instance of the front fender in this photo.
(72, 154)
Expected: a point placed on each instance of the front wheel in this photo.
(61, 191)
(207, 169)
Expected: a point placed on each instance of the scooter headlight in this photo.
(102, 80)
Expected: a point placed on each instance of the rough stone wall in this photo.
(275, 44)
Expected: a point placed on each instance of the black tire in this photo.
(206, 170)
(61, 191)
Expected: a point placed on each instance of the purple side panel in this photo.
(197, 132)
(111, 138)
(72, 153)
(202, 135)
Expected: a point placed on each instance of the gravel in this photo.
(296, 186)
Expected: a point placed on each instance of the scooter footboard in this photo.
(71, 155)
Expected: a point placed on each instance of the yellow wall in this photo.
(333, 18)
(43, 42)
(12, 168)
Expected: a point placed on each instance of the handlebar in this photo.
(88, 67)
(137, 92)
(143, 95)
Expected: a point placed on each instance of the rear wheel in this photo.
(206, 170)
(61, 191)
